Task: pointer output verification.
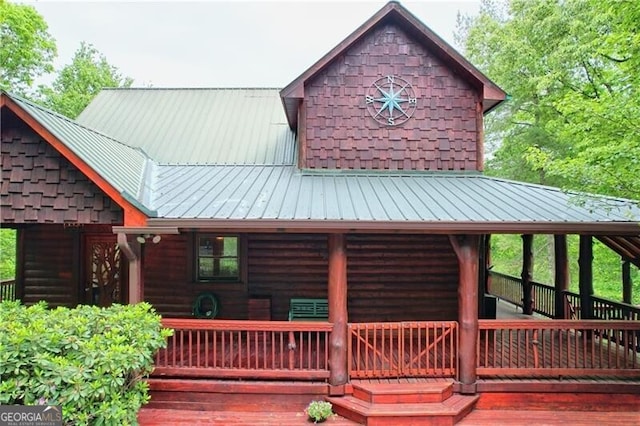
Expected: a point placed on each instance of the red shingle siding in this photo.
(340, 133)
(41, 186)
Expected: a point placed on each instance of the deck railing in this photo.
(506, 288)
(406, 349)
(7, 290)
(245, 349)
(562, 348)
(509, 288)
(602, 309)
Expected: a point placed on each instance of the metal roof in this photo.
(196, 126)
(120, 165)
(284, 193)
(257, 196)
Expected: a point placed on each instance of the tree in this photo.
(571, 70)
(27, 50)
(80, 81)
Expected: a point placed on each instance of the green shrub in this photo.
(89, 360)
(319, 411)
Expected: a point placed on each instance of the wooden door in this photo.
(103, 277)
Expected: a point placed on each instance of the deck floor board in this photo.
(161, 417)
(550, 418)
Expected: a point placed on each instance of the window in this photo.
(218, 258)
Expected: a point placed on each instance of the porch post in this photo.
(483, 275)
(466, 248)
(133, 252)
(487, 263)
(627, 284)
(337, 300)
(562, 273)
(585, 280)
(527, 269)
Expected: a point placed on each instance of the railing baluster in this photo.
(564, 347)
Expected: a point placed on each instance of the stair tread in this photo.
(451, 406)
(403, 388)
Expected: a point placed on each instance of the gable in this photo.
(342, 132)
(41, 186)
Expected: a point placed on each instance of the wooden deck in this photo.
(160, 417)
(163, 417)
(549, 418)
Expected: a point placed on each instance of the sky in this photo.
(221, 44)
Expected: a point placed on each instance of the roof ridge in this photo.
(187, 88)
(75, 123)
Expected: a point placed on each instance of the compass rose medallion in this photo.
(391, 100)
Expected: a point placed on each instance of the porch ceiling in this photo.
(284, 197)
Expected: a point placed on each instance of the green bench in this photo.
(308, 310)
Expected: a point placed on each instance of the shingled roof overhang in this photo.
(395, 13)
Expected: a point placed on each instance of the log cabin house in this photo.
(330, 236)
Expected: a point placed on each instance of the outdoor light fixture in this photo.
(142, 238)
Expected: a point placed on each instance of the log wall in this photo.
(390, 277)
(50, 269)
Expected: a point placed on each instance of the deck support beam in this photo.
(585, 280)
(132, 250)
(467, 248)
(561, 280)
(527, 274)
(627, 283)
(337, 300)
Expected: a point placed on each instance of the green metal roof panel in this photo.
(196, 126)
(285, 193)
(120, 165)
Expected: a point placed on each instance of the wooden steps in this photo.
(404, 404)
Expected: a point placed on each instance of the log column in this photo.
(466, 248)
(527, 273)
(132, 250)
(585, 280)
(561, 280)
(337, 300)
(627, 283)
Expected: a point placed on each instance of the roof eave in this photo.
(439, 227)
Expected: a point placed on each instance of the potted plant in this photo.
(318, 411)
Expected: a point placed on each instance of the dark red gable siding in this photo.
(339, 133)
(41, 186)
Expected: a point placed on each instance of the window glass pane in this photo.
(205, 267)
(228, 267)
(205, 247)
(230, 246)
